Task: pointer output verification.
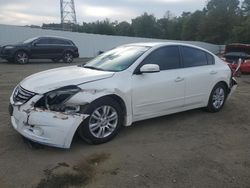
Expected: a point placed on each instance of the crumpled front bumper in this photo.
(43, 126)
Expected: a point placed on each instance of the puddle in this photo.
(63, 175)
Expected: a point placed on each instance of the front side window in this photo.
(43, 41)
(29, 40)
(210, 59)
(166, 57)
(193, 57)
(59, 42)
(117, 59)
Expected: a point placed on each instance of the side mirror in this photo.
(150, 68)
(100, 52)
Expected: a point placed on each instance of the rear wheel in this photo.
(21, 57)
(68, 57)
(217, 98)
(104, 121)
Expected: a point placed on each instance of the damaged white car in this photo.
(127, 84)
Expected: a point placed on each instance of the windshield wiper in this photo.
(94, 68)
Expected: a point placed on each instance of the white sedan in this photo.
(127, 84)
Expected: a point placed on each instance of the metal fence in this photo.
(89, 44)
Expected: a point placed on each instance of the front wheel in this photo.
(68, 57)
(21, 57)
(217, 98)
(104, 121)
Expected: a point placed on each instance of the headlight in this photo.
(55, 100)
(8, 47)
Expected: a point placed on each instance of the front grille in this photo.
(22, 95)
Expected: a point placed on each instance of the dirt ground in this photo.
(189, 149)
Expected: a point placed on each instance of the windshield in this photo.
(29, 40)
(117, 59)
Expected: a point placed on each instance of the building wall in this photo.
(89, 44)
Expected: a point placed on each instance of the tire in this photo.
(68, 57)
(21, 57)
(217, 98)
(98, 129)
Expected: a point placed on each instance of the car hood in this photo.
(49, 80)
(14, 45)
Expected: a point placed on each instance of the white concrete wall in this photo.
(89, 44)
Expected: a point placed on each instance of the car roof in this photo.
(242, 54)
(237, 47)
(151, 44)
(55, 37)
(155, 44)
(161, 44)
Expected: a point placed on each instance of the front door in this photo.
(156, 94)
(42, 49)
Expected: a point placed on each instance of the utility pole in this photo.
(68, 14)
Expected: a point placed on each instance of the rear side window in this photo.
(59, 41)
(166, 57)
(210, 59)
(65, 42)
(194, 57)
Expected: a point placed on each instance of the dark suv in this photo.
(54, 48)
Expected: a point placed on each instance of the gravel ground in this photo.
(189, 149)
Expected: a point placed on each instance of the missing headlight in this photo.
(55, 100)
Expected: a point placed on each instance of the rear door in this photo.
(155, 94)
(200, 74)
(59, 45)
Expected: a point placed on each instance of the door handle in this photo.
(179, 79)
(213, 72)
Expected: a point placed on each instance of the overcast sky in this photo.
(23, 12)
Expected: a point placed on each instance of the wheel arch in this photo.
(218, 82)
(225, 84)
(67, 50)
(22, 50)
(116, 98)
(209, 107)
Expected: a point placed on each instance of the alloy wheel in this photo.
(218, 98)
(103, 121)
(22, 58)
(68, 57)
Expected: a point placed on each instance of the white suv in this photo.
(127, 84)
